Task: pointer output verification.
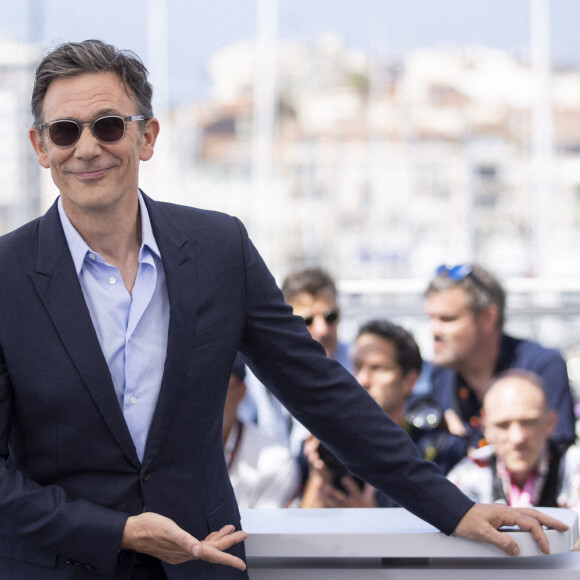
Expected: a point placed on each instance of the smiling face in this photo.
(518, 423)
(91, 175)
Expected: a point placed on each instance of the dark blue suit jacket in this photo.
(69, 472)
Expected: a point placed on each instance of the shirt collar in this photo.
(79, 248)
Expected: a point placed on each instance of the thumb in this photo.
(189, 544)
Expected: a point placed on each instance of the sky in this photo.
(196, 29)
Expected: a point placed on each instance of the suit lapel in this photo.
(59, 290)
(180, 265)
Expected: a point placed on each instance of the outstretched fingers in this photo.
(545, 519)
(530, 520)
(482, 523)
(161, 537)
(502, 541)
(211, 549)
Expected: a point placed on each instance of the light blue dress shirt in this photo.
(131, 328)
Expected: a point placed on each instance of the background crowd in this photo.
(495, 412)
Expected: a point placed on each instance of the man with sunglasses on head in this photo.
(120, 320)
(466, 308)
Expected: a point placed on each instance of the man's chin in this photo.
(518, 468)
(442, 359)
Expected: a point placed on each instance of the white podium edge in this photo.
(379, 533)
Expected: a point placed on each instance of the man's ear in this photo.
(38, 146)
(409, 381)
(552, 421)
(148, 139)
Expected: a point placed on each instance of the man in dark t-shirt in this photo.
(466, 307)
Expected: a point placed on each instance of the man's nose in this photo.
(436, 326)
(87, 145)
(319, 326)
(517, 433)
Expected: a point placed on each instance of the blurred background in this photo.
(376, 138)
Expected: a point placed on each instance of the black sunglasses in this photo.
(330, 317)
(108, 129)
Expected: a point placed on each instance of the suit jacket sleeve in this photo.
(332, 405)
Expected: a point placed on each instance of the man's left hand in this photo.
(482, 521)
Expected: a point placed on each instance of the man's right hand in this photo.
(158, 536)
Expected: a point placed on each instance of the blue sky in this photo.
(197, 29)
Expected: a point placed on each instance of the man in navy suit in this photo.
(120, 321)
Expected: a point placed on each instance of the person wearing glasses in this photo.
(312, 294)
(466, 309)
(120, 320)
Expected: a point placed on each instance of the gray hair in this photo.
(481, 287)
(73, 59)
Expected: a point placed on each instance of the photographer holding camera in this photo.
(387, 363)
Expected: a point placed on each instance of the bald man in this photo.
(520, 467)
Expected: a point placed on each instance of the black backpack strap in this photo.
(497, 492)
(549, 495)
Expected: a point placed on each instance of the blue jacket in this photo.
(452, 391)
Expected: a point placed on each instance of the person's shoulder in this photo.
(478, 459)
(474, 475)
(441, 377)
(19, 246)
(527, 353)
(186, 213)
(16, 236)
(19, 236)
(194, 222)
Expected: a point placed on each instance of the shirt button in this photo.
(133, 399)
(92, 256)
(112, 280)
